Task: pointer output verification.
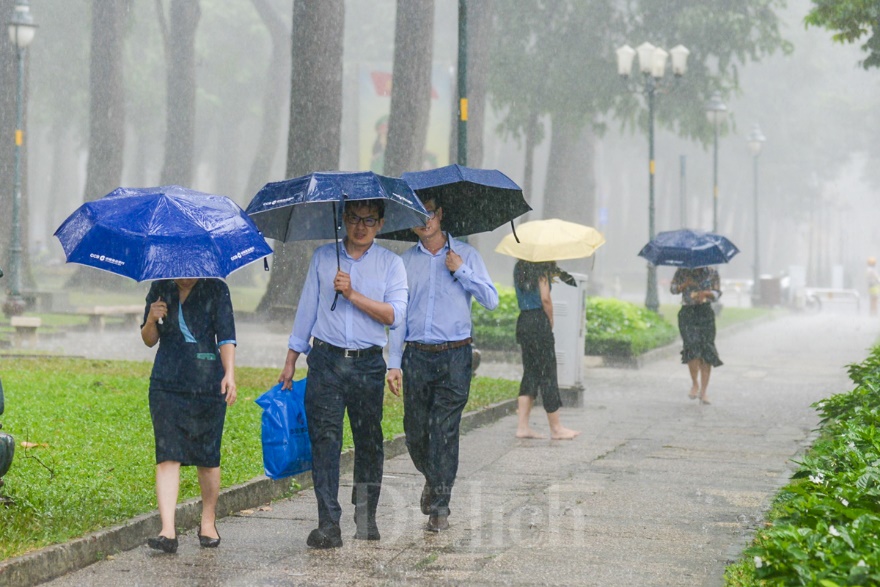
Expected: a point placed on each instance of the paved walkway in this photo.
(658, 490)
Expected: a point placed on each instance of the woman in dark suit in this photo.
(696, 321)
(192, 383)
(534, 333)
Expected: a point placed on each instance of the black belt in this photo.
(347, 353)
(443, 346)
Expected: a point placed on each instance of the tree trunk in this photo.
(531, 143)
(180, 53)
(107, 99)
(570, 187)
(273, 98)
(314, 138)
(106, 113)
(479, 42)
(411, 88)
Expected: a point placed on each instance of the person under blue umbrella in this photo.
(699, 287)
(346, 366)
(192, 383)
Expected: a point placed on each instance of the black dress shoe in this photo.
(207, 541)
(329, 537)
(425, 500)
(370, 532)
(164, 544)
(437, 523)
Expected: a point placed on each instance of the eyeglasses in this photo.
(431, 214)
(353, 219)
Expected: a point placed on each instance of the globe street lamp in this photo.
(21, 32)
(652, 64)
(716, 111)
(756, 142)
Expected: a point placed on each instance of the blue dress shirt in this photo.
(378, 274)
(439, 308)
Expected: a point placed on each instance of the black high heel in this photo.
(207, 541)
(163, 543)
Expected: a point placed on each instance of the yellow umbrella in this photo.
(551, 240)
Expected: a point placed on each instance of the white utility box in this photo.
(569, 330)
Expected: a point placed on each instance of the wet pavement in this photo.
(658, 490)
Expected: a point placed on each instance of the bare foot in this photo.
(694, 393)
(704, 399)
(564, 434)
(528, 433)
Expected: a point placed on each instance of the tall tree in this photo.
(314, 137)
(106, 113)
(411, 88)
(180, 57)
(556, 59)
(273, 98)
(107, 99)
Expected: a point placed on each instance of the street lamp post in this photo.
(21, 30)
(756, 142)
(716, 111)
(652, 64)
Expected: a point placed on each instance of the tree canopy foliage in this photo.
(851, 20)
(559, 57)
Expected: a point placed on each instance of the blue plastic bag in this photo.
(285, 434)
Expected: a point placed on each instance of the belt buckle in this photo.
(350, 353)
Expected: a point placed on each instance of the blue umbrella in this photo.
(162, 233)
(473, 200)
(310, 207)
(688, 248)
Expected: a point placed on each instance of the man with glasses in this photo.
(346, 366)
(435, 370)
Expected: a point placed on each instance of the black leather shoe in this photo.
(329, 537)
(437, 523)
(425, 500)
(207, 541)
(371, 532)
(164, 544)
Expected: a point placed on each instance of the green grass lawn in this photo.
(92, 465)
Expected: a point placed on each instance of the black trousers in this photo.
(336, 384)
(436, 387)
(535, 335)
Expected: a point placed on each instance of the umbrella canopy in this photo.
(551, 240)
(162, 233)
(473, 200)
(688, 248)
(308, 207)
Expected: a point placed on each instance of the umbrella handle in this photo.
(513, 228)
(336, 238)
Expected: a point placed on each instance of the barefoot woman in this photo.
(696, 322)
(534, 333)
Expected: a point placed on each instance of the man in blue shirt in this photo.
(435, 369)
(346, 366)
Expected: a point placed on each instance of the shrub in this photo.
(825, 524)
(613, 327)
(623, 329)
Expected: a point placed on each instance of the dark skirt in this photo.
(697, 326)
(187, 427)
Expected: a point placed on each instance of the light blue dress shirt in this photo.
(378, 274)
(439, 308)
